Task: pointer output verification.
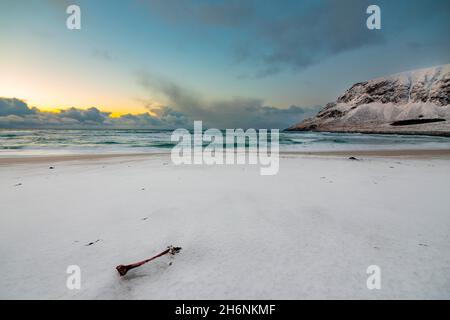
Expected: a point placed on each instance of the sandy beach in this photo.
(308, 232)
(388, 153)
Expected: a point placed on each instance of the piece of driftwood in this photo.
(123, 269)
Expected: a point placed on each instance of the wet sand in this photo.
(75, 157)
(407, 153)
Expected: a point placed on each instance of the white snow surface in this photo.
(309, 232)
(425, 75)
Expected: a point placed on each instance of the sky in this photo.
(165, 63)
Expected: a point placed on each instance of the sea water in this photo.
(55, 142)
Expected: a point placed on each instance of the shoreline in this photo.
(386, 153)
(385, 131)
(406, 153)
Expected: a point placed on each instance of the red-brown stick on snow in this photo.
(123, 269)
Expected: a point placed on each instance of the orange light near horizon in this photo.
(47, 94)
(114, 113)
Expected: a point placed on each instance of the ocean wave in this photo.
(71, 141)
(9, 135)
(155, 145)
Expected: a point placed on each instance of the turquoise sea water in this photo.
(53, 142)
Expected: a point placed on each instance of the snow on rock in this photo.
(421, 97)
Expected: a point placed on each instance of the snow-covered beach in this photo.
(310, 231)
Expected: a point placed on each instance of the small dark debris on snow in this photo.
(51, 167)
(18, 184)
(143, 219)
(423, 245)
(91, 243)
(353, 158)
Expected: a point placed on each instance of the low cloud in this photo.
(185, 107)
(90, 116)
(15, 113)
(237, 112)
(14, 106)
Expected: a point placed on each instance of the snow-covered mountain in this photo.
(414, 102)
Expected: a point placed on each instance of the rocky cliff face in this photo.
(415, 102)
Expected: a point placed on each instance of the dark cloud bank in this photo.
(291, 36)
(272, 37)
(235, 113)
